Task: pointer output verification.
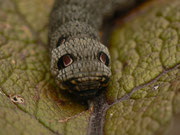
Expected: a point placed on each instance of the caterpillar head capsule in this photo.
(81, 65)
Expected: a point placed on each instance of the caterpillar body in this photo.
(80, 63)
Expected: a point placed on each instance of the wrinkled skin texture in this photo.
(73, 33)
(87, 73)
(74, 40)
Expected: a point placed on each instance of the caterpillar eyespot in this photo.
(67, 60)
(104, 58)
(64, 61)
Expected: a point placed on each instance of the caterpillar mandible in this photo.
(80, 63)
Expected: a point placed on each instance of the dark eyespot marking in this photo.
(61, 40)
(64, 61)
(103, 58)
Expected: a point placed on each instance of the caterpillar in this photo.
(80, 63)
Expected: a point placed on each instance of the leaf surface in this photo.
(143, 97)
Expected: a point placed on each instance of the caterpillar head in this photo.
(81, 65)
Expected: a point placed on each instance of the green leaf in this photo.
(143, 96)
(146, 60)
(24, 72)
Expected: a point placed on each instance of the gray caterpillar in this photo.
(80, 63)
